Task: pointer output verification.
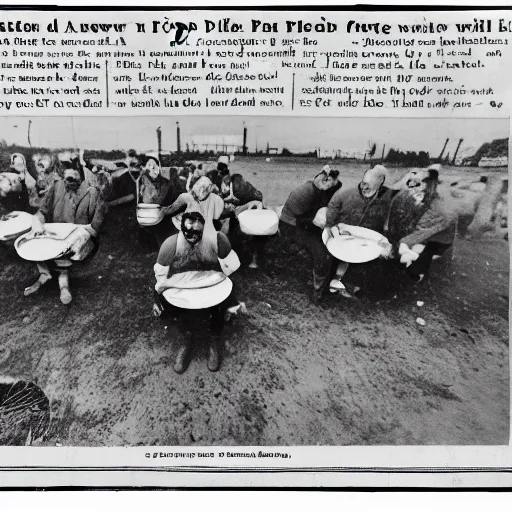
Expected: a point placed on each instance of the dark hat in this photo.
(75, 165)
(221, 166)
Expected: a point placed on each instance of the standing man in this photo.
(194, 249)
(71, 200)
(296, 222)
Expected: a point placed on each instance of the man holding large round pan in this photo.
(195, 253)
(71, 200)
(365, 206)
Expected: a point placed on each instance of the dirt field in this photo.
(350, 372)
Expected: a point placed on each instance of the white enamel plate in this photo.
(14, 225)
(259, 222)
(354, 249)
(199, 298)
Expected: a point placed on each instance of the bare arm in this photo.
(176, 207)
(224, 245)
(163, 263)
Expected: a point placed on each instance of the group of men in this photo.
(202, 240)
(196, 232)
(62, 195)
(200, 229)
(413, 223)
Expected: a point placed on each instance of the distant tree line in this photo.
(409, 158)
(287, 152)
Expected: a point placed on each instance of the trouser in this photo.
(255, 244)
(162, 231)
(341, 269)
(189, 317)
(312, 240)
(62, 265)
(422, 264)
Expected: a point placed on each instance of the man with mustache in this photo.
(194, 248)
(70, 200)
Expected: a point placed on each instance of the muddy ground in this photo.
(350, 372)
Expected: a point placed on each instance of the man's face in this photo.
(132, 162)
(198, 173)
(18, 164)
(324, 182)
(193, 231)
(42, 164)
(152, 169)
(370, 184)
(72, 179)
(417, 180)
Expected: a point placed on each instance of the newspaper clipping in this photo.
(254, 247)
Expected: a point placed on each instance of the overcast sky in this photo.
(296, 134)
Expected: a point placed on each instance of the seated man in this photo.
(366, 206)
(296, 223)
(434, 232)
(71, 200)
(195, 249)
(415, 192)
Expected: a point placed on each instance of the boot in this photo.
(44, 276)
(214, 356)
(182, 358)
(29, 290)
(65, 295)
(234, 310)
(254, 262)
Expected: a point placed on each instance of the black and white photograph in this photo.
(254, 281)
